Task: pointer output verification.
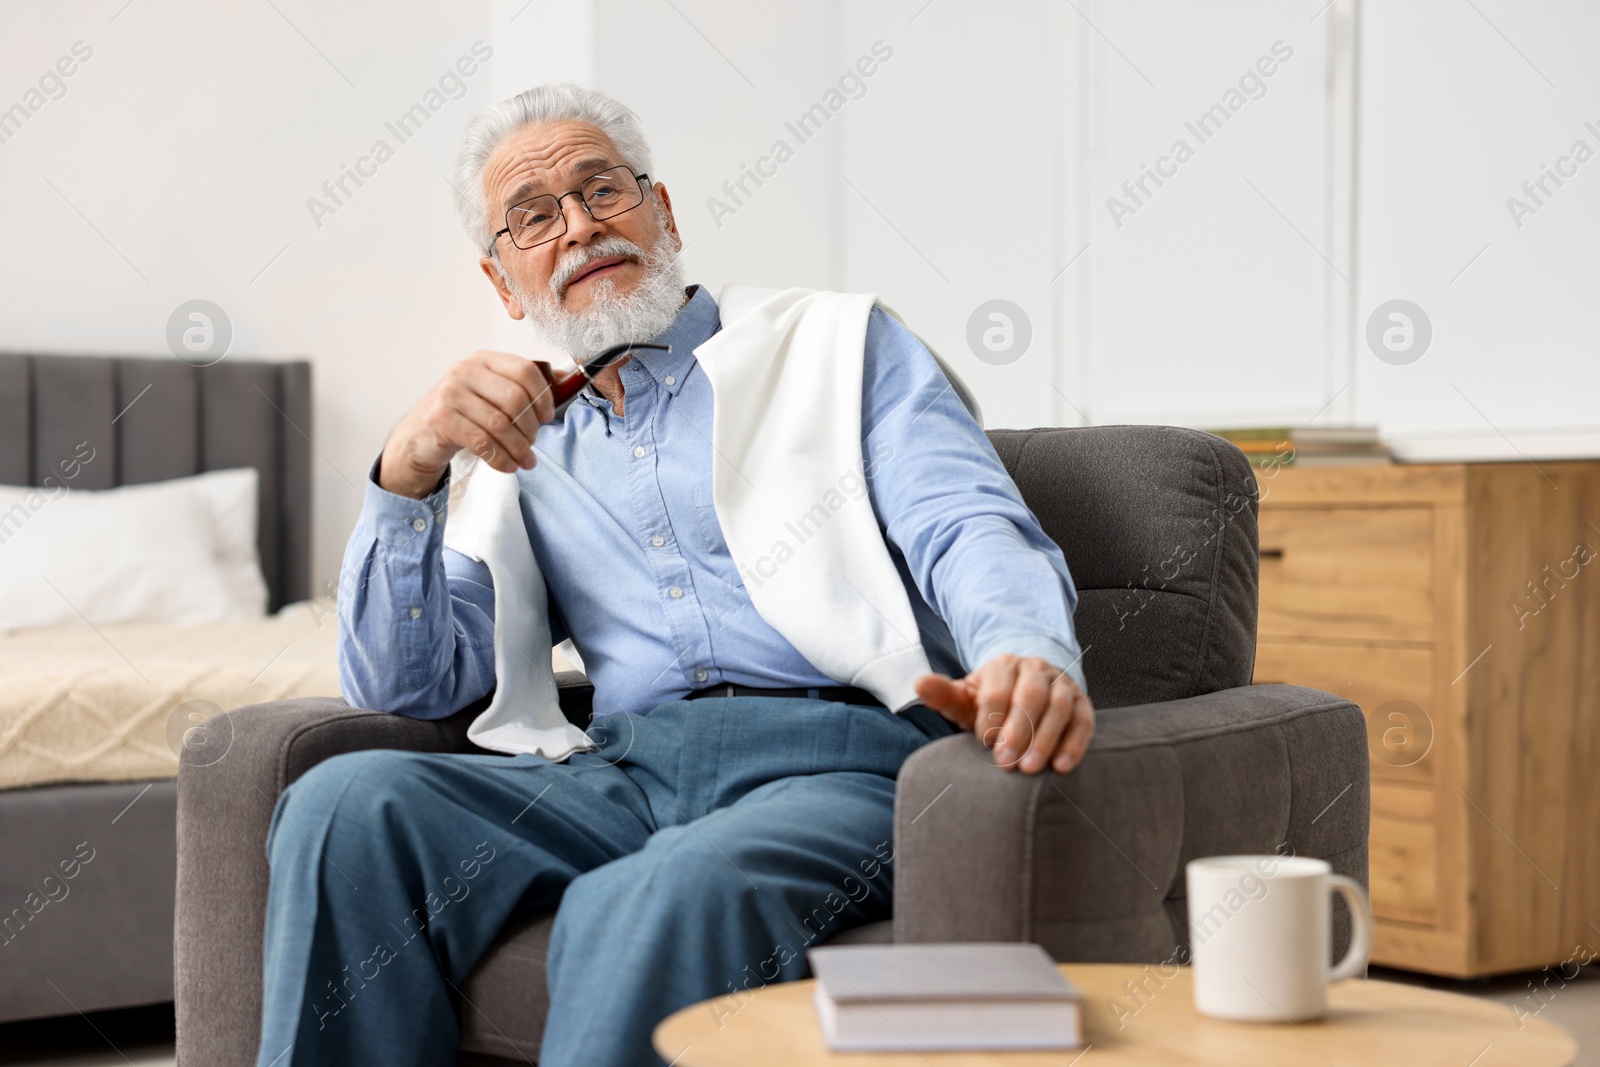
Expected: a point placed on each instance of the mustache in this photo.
(573, 263)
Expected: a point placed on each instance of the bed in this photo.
(92, 721)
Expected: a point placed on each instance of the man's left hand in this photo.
(1027, 709)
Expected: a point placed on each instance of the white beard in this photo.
(612, 318)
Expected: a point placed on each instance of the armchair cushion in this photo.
(1158, 527)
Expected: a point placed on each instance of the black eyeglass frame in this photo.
(561, 212)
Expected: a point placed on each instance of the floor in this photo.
(142, 1037)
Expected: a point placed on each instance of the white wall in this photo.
(192, 139)
(1461, 107)
(962, 123)
(1212, 306)
(1217, 304)
(194, 135)
(1239, 292)
(714, 81)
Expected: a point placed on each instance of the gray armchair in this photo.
(1159, 528)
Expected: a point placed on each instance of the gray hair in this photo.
(557, 102)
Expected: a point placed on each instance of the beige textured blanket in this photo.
(113, 704)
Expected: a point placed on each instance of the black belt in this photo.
(842, 694)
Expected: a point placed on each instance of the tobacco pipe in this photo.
(565, 391)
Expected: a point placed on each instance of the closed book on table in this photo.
(919, 998)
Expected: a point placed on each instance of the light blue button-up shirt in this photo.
(619, 513)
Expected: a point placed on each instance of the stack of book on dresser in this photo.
(1310, 446)
(921, 998)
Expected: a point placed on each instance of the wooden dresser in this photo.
(1459, 605)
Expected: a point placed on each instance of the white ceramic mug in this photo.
(1259, 932)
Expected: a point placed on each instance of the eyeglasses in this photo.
(605, 195)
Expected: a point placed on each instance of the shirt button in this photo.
(657, 541)
(419, 524)
(701, 674)
(675, 593)
(416, 613)
(670, 380)
(638, 451)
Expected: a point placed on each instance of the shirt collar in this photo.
(695, 323)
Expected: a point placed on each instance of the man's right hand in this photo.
(491, 403)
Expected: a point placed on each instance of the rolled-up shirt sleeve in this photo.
(416, 619)
(974, 549)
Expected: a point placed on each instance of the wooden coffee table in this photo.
(1369, 1024)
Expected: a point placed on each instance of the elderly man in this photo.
(695, 847)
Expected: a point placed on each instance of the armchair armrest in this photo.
(224, 809)
(1091, 864)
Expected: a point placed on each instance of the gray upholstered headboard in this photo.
(152, 419)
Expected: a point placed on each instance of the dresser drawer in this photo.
(1403, 856)
(1392, 684)
(1353, 573)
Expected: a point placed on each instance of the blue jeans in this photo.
(698, 852)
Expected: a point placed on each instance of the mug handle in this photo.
(1355, 960)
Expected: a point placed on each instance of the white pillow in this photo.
(181, 551)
